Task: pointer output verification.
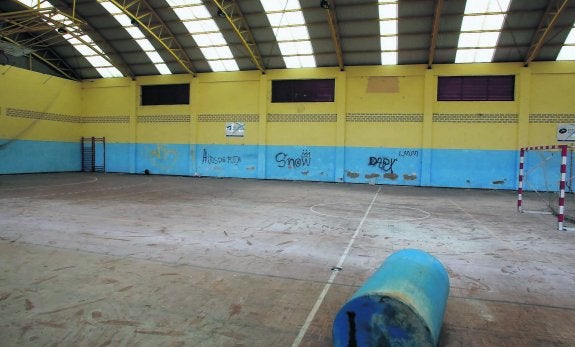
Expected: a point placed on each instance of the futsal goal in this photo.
(545, 183)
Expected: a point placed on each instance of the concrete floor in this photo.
(98, 260)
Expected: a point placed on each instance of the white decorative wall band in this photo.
(384, 118)
(246, 118)
(170, 118)
(552, 118)
(476, 118)
(302, 118)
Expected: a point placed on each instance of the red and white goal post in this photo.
(545, 177)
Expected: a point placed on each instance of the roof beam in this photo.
(48, 57)
(554, 10)
(434, 32)
(235, 17)
(334, 30)
(147, 18)
(115, 58)
(46, 27)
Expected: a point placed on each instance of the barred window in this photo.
(317, 90)
(476, 88)
(166, 94)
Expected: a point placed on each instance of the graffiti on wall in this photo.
(218, 160)
(385, 164)
(285, 160)
(164, 157)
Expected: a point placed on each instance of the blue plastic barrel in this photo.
(401, 304)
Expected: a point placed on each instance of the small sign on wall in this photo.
(235, 129)
(566, 132)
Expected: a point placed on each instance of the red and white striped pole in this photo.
(520, 185)
(561, 214)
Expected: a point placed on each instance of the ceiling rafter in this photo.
(548, 20)
(45, 28)
(334, 30)
(235, 17)
(434, 31)
(115, 58)
(147, 18)
(48, 57)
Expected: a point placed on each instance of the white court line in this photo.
(425, 214)
(334, 273)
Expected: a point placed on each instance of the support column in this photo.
(133, 127)
(524, 107)
(194, 107)
(341, 102)
(429, 92)
(263, 98)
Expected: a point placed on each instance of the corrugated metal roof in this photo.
(357, 25)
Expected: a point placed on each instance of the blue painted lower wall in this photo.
(491, 169)
(22, 156)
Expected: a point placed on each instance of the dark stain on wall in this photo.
(391, 176)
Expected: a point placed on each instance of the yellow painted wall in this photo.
(315, 131)
(102, 101)
(552, 98)
(51, 104)
(376, 90)
(229, 97)
(385, 92)
(476, 124)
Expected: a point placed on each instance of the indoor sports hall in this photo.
(234, 173)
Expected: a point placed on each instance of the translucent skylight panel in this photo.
(34, 3)
(217, 65)
(163, 69)
(480, 30)
(570, 40)
(206, 33)
(286, 18)
(466, 55)
(135, 33)
(97, 60)
(299, 61)
(145, 45)
(84, 45)
(107, 72)
(567, 52)
(126, 22)
(230, 64)
(83, 49)
(155, 57)
(288, 24)
(296, 33)
(388, 58)
(281, 5)
(201, 26)
(388, 12)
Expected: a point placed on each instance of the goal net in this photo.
(545, 183)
